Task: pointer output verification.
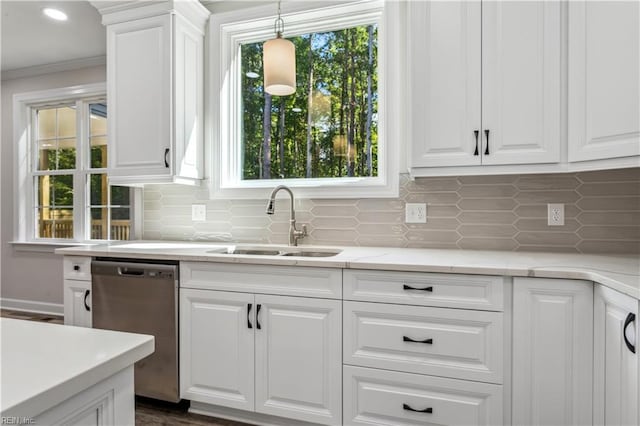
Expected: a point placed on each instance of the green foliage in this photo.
(338, 62)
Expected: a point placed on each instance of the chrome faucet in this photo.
(294, 234)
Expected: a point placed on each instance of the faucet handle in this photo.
(304, 231)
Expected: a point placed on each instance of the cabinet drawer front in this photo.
(415, 288)
(446, 342)
(387, 397)
(288, 281)
(77, 268)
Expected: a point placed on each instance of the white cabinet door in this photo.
(615, 365)
(444, 82)
(604, 88)
(298, 358)
(77, 303)
(521, 75)
(552, 351)
(217, 348)
(139, 90)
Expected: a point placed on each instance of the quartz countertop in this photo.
(44, 364)
(619, 272)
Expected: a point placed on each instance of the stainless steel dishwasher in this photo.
(142, 298)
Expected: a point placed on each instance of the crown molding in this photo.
(70, 65)
(114, 12)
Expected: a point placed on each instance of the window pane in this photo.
(47, 155)
(329, 126)
(66, 122)
(98, 189)
(55, 191)
(46, 123)
(99, 223)
(55, 222)
(120, 223)
(98, 152)
(120, 196)
(98, 123)
(66, 154)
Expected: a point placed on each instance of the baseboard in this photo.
(244, 416)
(32, 306)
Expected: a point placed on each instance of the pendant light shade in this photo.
(279, 63)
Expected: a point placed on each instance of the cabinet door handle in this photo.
(76, 268)
(486, 134)
(258, 326)
(249, 306)
(409, 339)
(166, 161)
(630, 318)
(407, 407)
(408, 287)
(86, 294)
(476, 132)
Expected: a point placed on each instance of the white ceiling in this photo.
(29, 38)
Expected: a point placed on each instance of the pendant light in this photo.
(279, 62)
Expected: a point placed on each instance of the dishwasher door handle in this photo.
(130, 272)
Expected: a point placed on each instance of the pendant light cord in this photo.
(278, 26)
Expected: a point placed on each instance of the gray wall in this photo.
(26, 275)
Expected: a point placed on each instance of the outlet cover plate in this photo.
(555, 214)
(198, 212)
(415, 213)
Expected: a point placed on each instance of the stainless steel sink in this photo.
(276, 251)
(311, 253)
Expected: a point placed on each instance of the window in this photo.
(328, 128)
(331, 138)
(63, 193)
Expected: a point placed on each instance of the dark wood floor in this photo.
(149, 412)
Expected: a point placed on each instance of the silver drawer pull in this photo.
(408, 287)
(409, 339)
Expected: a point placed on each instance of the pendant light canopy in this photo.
(279, 62)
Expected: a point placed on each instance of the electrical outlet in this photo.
(415, 213)
(198, 212)
(555, 214)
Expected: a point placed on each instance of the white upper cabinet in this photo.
(445, 78)
(521, 75)
(604, 82)
(155, 91)
(485, 83)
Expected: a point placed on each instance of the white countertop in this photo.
(43, 364)
(619, 272)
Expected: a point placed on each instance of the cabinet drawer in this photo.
(446, 342)
(385, 398)
(416, 288)
(263, 279)
(77, 268)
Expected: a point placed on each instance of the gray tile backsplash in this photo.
(602, 214)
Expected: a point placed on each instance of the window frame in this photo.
(228, 30)
(25, 109)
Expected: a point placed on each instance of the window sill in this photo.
(46, 246)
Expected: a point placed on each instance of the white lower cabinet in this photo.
(384, 397)
(615, 359)
(77, 303)
(552, 352)
(274, 355)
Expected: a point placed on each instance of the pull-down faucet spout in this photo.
(294, 233)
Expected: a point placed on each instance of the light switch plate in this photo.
(198, 212)
(415, 213)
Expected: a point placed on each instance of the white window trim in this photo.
(228, 30)
(24, 105)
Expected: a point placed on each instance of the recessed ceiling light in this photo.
(296, 109)
(56, 14)
(252, 74)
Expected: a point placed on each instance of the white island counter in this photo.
(52, 373)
